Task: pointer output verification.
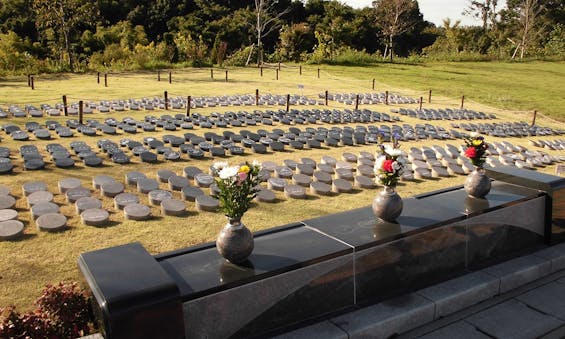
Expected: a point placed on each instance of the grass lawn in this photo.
(38, 258)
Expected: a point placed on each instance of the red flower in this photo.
(471, 152)
(387, 165)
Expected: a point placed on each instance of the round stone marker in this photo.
(111, 189)
(283, 172)
(85, 203)
(67, 183)
(39, 196)
(294, 191)
(203, 180)
(7, 201)
(137, 212)
(33, 186)
(206, 203)
(92, 161)
(51, 222)
(190, 193)
(42, 208)
(277, 184)
(341, 186)
(99, 180)
(164, 174)
(147, 185)
(301, 180)
(8, 214)
(157, 196)
(123, 199)
(190, 171)
(76, 193)
(362, 181)
(94, 217)
(305, 169)
(320, 188)
(349, 157)
(11, 229)
(5, 190)
(176, 182)
(6, 167)
(344, 173)
(324, 177)
(173, 207)
(325, 168)
(133, 176)
(265, 195)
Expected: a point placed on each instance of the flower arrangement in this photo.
(390, 163)
(476, 149)
(237, 186)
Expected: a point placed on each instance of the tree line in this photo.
(81, 35)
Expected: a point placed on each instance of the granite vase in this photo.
(387, 205)
(477, 184)
(235, 242)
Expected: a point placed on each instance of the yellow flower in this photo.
(477, 142)
(244, 169)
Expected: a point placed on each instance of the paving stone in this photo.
(39, 196)
(7, 201)
(341, 186)
(8, 214)
(555, 254)
(512, 319)
(460, 329)
(85, 203)
(76, 193)
(323, 177)
(123, 199)
(546, 299)
(33, 186)
(173, 207)
(67, 183)
(190, 193)
(519, 271)
(51, 222)
(137, 212)
(362, 181)
(324, 329)
(157, 196)
(277, 184)
(206, 203)
(11, 229)
(95, 217)
(190, 172)
(147, 185)
(294, 192)
(265, 195)
(320, 188)
(99, 180)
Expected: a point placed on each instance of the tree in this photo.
(394, 18)
(59, 22)
(528, 20)
(267, 15)
(484, 10)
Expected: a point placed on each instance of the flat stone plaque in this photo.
(137, 212)
(173, 207)
(277, 184)
(123, 199)
(294, 192)
(76, 193)
(85, 203)
(133, 176)
(164, 174)
(42, 208)
(7, 201)
(157, 196)
(99, 180)
(33, 186)
(206, 203)
(265, 195)
(5, 190)
(8, 214)
(94, 217)
(203, 180)
(111, 189)
(301, 180)
(147, 185)
(51, 222)
(190, 193)
(39, 196)
(341, 186)
(364, 182)
(67, 183)
(11, 229)
(320, 188)
(177, 182)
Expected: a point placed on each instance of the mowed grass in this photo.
(26, 265)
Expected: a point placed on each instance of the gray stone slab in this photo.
(269, 166)
(548, 299)
(99, 180)
(519, 271)
(325, 168)
(362, 181)
(5, 190)
(422, 173)
(320, 188)
(203, 180)
(190, 172)
(513, 319)
(11, 229)
(86, 203)
(133, 176)
(387, 318)
(111, 189)
(459, 330)
(301, 180)
(177, 182)
(33, 186)
(294, 192)
(341, 186)
(95, 217)
(455, 169)
(344, 173)
(305, 169)
(324, 329)
(350, 157)
(42, 208)
(147, 185)
(123, 199)
(277, 184)
(76, 193)
(157, 196)
(456, 294)
(283, 172)
(7, 201)
(265, 195)
(164, 174)
(439, 172)
(206, 203)
(556, 254)
(8, 214)
(137, 212)
(366, 170)
(51, 222)
(328, 160)
(324, 177)
(190, 193)
(67, 183)
(173, 207)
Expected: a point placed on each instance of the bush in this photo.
(240, 57)
(63, 312)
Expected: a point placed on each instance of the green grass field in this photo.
(511, 91)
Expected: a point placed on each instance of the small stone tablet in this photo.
(455, 169)
(364, 154)
(344, 173)
(305, 169)
(362, 181)
(5, 190)
(268, 166)
(164, 174)
(11, 229)
(322, 177)
(42, 208)
(265, 195)
(176, 182)
(341, 186)
(123, 199)
(203, 180)
(94, 217)
(277, 184)
(93, 161)
(133, 176)
(111, 189)
(190, 171)
(320, 188)
(206, 203)
(7, 201)
(148, 157)
(301, 180)
(99, 180)
(147, 185)
(85, 203)
(51, 222)
(8, 214)
(67, 183)
(33, 186)
(39, 196)
(294, 191)
(422, 173)
(76, 193)
(325, 168)
(349, 157)
(190, 193)
(283, 172)
(173, 207)
(439, 172)
(137, 212)
(157, 196)
(290, 163)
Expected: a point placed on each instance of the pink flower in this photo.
(242, 176)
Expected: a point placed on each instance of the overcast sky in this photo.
(435, 10)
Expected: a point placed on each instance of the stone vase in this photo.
(235, 242)
(477, 184)
(387, 205)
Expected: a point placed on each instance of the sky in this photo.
(435, 10)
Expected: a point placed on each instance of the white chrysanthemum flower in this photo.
(474, 134)
(220, 165)
(228, 172)
(379, 162)
(394, 152)
(256, 163)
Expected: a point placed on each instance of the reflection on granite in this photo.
(475, 205)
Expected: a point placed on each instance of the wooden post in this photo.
(29, 80)
(421, 100)
(318, 73)
(279, 66)
(300, 69)
(287, 102)
(80, 111)
(226, 75)
(170, 77)
(357, 102)
(65, 110)
(98, 77)
(257, 97)
(326, 97)
(166, 100)
(211, 73)
(261, 70)
(277, 72)
(462, 101)
(159, 75)
(534, 119)
(373, 84)
(386, 97)
(32, 83)
(430, 97)
(188, 104)
(105, 79)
